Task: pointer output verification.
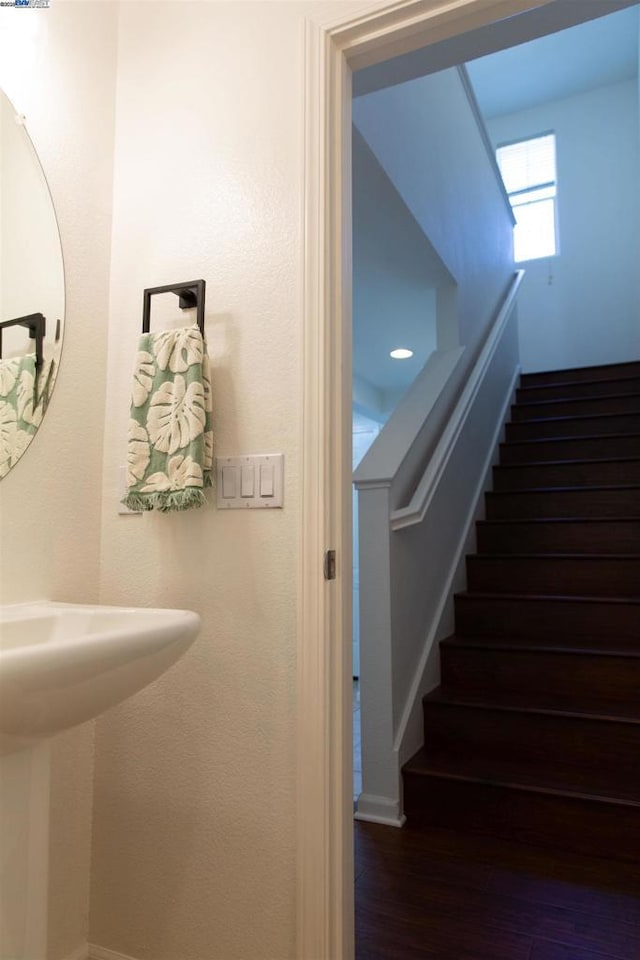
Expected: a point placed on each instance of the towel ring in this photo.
(191, 294)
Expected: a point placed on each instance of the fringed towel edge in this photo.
(166, 500)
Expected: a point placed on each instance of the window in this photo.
(528, 169)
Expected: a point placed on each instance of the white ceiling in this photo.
(541, 21)
(572, 61)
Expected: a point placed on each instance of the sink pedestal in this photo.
(61, 664)
(24, 852)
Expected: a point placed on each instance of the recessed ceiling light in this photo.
(401, 353)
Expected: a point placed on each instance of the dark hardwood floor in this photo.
(437, 894)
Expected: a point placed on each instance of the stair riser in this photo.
(572, 427)
(573, 391)
(559, 537)
(575, 408)
(580, 474)
(564, 503)
(573, 743)
(582, 374)
(525, 618)
(579, 826)
(593, 448)
(555, 576)
(564, 675)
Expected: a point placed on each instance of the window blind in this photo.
(528, 169)
(529, 163)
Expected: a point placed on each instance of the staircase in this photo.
(534, 733)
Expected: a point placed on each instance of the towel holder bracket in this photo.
(36, 325)
(190, 294)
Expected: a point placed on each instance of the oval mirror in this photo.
(31, 289)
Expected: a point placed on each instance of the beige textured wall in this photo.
(194, 815)
(58, 68)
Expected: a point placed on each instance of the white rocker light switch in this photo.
(229, 484)
(266, 479)
(251, 481)
(248, 484)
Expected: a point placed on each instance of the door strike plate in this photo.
(330, 565)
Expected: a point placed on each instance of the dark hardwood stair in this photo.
(580, 407)
(576, 575)
(488, 665)
(603, 447)
(580, 735)
(599, 502)
(525, 617)
(534, 732)
(557, 535)
(543, 777)
(567, 473)
(606, 387)
(569, 427)
(536, 805)
(621, 371)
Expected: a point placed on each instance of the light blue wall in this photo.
(426, 138)
(583, 306)
(394, 280)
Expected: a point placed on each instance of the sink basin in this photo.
(63, 663)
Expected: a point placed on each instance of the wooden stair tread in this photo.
(533, 441)
(561, 488)
(576, 406)
(569, 503)
(574, 489)
(604, 396)
(543, 779)
(553, 463)
(561, 474)
(571, 426)
(572, 391)
(572, 383)
(559, 536)
(625, 368)
(553, 597)
(612, 446)
(566, 574)
(511, 521)
(557, 555)
(568, 419)
(539, 703)
(544, 644)
(527, 617)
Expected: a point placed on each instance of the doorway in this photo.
(451, 33)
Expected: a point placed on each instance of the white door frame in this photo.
(324, 761)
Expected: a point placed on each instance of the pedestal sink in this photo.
(64, 663)
(61, 664)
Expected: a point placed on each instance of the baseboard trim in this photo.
(372, 809)
(80, 953)
(102, 953)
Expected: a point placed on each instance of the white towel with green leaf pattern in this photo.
(24, 397)
(170, 450)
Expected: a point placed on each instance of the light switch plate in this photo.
(250, 482)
